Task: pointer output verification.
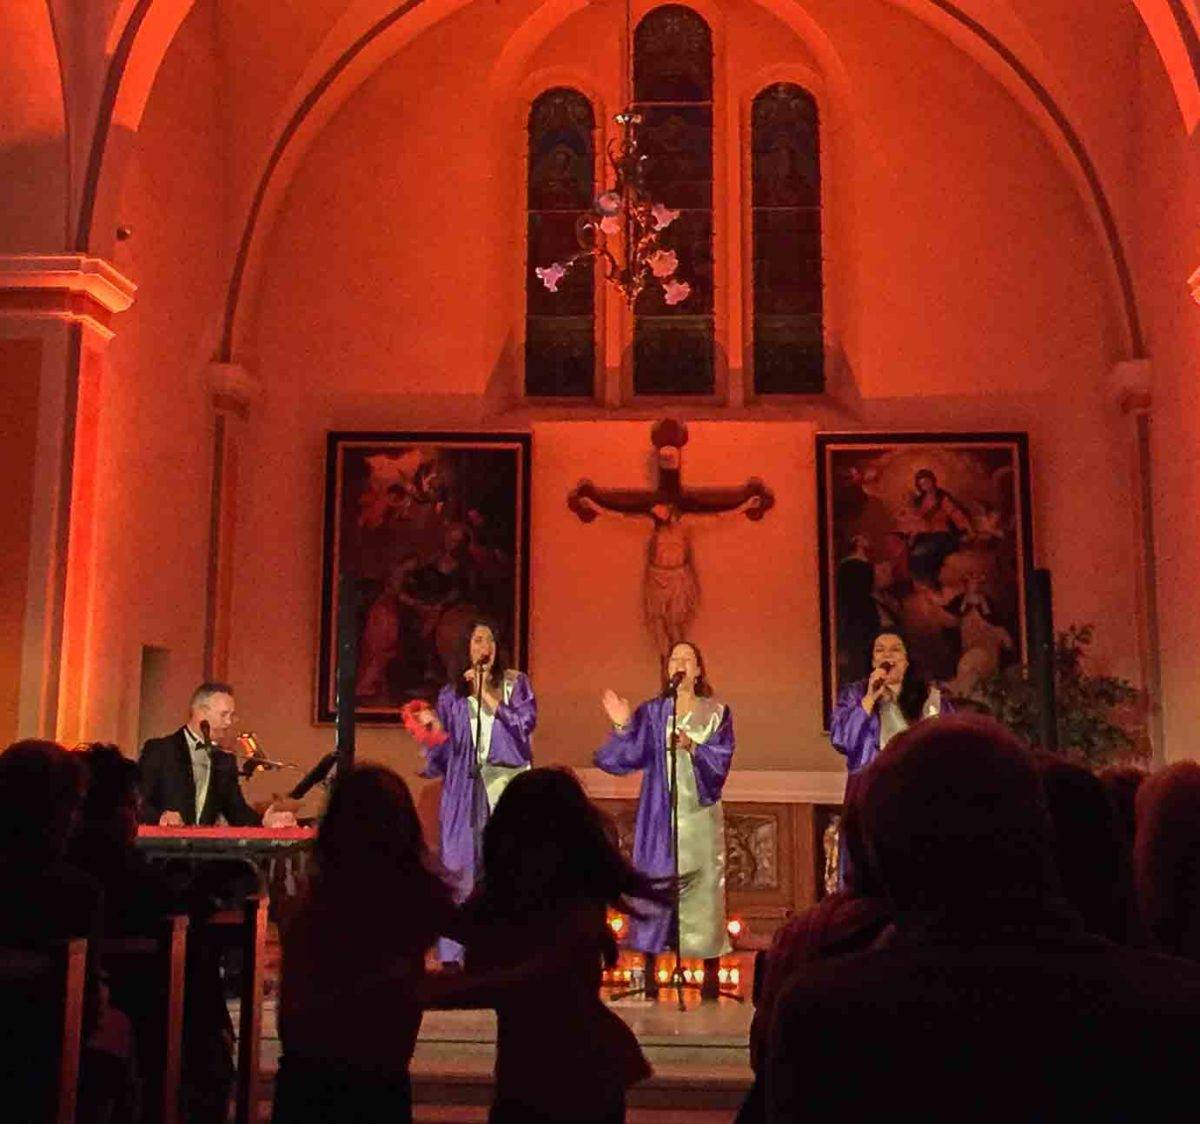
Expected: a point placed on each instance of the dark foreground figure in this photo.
(988, 1000)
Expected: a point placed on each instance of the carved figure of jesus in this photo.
(670, 587)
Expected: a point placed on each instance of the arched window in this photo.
(786, 215)
(560, 350)
(673, 92)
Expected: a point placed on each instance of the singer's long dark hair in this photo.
(547, 846)
(371, 830)
(703, 687)
(915, 688)
(495, 678)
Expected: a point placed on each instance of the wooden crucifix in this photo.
(670, 590)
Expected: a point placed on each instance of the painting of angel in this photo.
(433, 528)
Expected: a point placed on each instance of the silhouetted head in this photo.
(1086, 842)
(370, 830)
(42, 788)
(1166, 858)
(1122, 783)
(546, 844)
(955, 821)
(110, 809)
(860, 876)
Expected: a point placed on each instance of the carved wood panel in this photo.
(774, 858)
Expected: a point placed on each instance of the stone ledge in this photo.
(744, 786)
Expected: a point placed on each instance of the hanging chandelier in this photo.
(624, 227)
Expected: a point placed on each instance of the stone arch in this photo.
(136, 50)
(1177, 41)
(34, 160)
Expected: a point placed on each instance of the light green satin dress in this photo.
(702, 932)
(495, 777)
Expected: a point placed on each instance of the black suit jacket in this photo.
(168, 785)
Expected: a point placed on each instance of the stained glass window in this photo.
(786, 216)
(673, 90)
(560, 327)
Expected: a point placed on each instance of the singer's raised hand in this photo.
(876, 684)
(430, 720)
(618, 709)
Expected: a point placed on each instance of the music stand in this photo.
(676, 980)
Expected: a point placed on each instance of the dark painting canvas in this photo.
(928, 535)
(433, 531)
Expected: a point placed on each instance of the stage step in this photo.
(699, 1058)
(662, 1093)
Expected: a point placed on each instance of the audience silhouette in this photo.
(1167, 858)
(353, 954)
(987, 998)
(537, 939)
(981, 962)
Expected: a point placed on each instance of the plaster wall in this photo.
(977, 301)
(1168, 170)
(153, 460)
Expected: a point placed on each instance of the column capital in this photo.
(1128, 385)
(234, 389)
(71, 287)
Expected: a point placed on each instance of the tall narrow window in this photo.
(786, 202)
(559, 327)
(673, 91)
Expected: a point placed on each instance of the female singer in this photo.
(704, 741)
(476, 773)
(874, 710)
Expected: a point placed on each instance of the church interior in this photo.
(324, 295)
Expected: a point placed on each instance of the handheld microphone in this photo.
(886, 666)
(205, 733)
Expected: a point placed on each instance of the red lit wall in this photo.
(967, 291)
(1168, 252)
(154, 453)
(20, 377)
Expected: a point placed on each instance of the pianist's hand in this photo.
(170, 819)
(272, 817)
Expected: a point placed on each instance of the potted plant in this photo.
(1101, 718)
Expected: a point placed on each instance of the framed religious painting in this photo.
(432, 530)
(929, 535)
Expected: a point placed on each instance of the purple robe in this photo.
(642, 745)
(464, 807)
(855, 734)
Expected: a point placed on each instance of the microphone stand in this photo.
(477, 773)
(676, 981)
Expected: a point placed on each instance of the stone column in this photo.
(234, 391)
(1129, 389)
(57, 315)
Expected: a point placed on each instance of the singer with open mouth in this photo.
(640, 740)
(874, 710)
(488, 714)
